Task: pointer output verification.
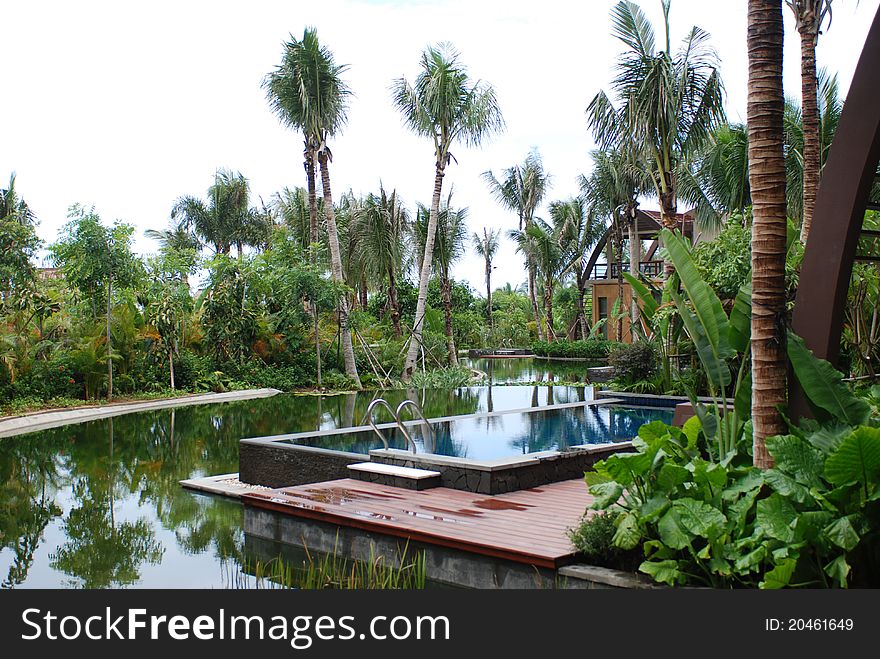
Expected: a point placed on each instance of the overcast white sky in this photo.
(127, 106)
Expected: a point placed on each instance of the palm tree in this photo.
(769, 224)
(579, 229)
(540, 243)
(226, 220)
(292, 208)
(809, 16)
(383, 225)
(829, 109)
(611, 193)
(448, 248)
(521, 190)
(669, 103)
(487, 246)
(307, 93)
(445, 106)
(718, 183)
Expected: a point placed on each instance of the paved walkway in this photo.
(25, 423)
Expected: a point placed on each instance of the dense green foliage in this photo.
(589, 349)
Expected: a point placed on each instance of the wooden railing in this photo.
(647, 268)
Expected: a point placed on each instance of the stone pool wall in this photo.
(278, 465)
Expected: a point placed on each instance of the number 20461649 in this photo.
(808, 624)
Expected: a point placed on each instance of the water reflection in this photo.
(99, 504)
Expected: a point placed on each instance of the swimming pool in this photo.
(497, 435)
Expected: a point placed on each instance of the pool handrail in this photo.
(421, 415)
(368, 415)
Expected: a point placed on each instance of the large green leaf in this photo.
(741, 319)
(663, 571)
(780, 576)
(707, 324)
(843, 533)
(776, 517)
(822, 384)
(797, 458)
(672, 531)
(628, 534)
(699, 517)
(857, 459)
(606, 494)
(838, 569)
(648, 304)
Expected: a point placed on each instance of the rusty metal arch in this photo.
(841, 202)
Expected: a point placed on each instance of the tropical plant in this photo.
(18, 245)
(521, 190)
(809, 16)
(448, 248)
(307, 93)
(383, 224)
(444, 105)
(486, 246)
(769, 224)
(579, 230)
(669, 103)
(225, 221)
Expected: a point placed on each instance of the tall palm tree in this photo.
(446, 106)
(307, 93)
(383, 224)
(718, 183)
(829, 108)
(611, 193)
(521, 189)
(487, 246)
(292, 208)
(579, 230)
(769, 224)
(809, 16)
(540, 242)
(668, 103)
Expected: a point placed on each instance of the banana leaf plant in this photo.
(722, 344)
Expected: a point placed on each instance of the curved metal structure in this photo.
(429, 435)
(841, 202)
(368, 416)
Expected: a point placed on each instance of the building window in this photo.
(603, 315)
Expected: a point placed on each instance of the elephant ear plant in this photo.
(703, 515)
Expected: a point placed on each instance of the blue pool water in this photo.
(493, 436)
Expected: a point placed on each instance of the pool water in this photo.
(489, 437)
(99, 504)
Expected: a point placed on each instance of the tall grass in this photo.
(332, 571)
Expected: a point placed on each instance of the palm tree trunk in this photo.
(548, 309)
(635, 256)
(362, 292)
(425, 274)
(171, 367)
(618, 256)
(668, 213)
(810, 119)
(394, 303)
(489, 297)
(767, 181)
(336, 270)
(109, 340)
(309, 165)
(581, 312)
(533, 298)
(446, 291)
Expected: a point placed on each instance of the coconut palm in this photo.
(307, 93)
(487, 246)
(611, 193)
(718, 183)
(579, 230)
(448, 247)
(669, 103)
(383, 224)
(292, 209)
(829, 109)
(540, 243)
(769, 224)
(446, 106)
(809, 16)
(521, 190)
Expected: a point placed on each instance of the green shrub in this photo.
(589, 349)
(634, 362)
(594, 538)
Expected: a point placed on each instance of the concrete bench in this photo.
(386, 474)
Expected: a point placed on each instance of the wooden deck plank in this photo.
(527, 526)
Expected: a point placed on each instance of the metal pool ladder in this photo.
(368, 415)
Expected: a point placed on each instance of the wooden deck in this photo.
(527, 526)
